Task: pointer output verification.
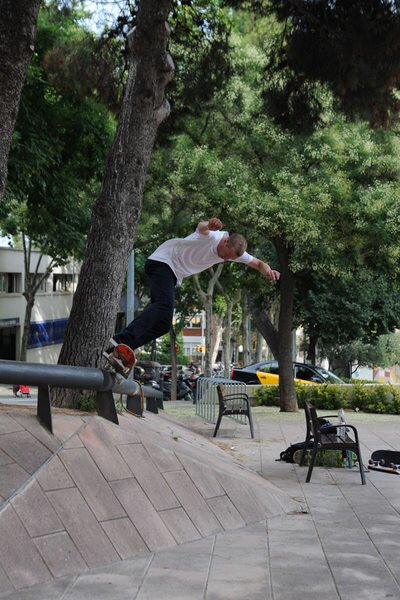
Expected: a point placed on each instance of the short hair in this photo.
(238, 242)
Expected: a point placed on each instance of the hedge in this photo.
(383, 398)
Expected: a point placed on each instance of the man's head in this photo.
(231, 246)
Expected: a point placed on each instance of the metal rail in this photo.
(207, 398)
(65, 376)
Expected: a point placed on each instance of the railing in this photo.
(65, 376)
(207, 399)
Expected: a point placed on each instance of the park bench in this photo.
(320, 436)
(233, 404)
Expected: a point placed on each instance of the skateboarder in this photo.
(166, 267)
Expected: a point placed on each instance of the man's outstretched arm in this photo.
(264, 269)
(213, 224)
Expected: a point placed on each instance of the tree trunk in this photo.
(227, 344)
(246, 331)
(27, 326)
(118, 208)
(265, 326)
(32, 283)
(312, 349)
(227, 328)
(288, 402)
(260, 340)
(174, 373)
(216, 339)
(18, 22)
(206, 300)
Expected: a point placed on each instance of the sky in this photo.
(103, 11)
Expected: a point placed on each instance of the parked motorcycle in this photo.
(183, 388)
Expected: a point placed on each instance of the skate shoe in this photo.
(121, 359)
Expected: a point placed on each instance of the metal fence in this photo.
(207, 399)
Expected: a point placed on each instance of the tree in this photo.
(206, 300)
(59, 145)
(352, 47)
(385, 352)
(314, 50)
(17, 33)
(119, 204)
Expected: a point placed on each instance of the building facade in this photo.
(50, 313)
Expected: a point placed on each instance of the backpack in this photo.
(288, 454)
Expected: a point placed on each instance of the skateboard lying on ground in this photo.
(120, 361)
(387, 461)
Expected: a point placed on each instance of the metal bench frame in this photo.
(233, 404)
(322, 437)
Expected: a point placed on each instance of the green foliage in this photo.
(58, 152)
(87, 404)
(353, 47)
(383, 398)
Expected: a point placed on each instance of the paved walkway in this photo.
(344, 545)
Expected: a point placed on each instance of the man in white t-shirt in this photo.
(169, 264)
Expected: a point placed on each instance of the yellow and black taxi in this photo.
(267, 373)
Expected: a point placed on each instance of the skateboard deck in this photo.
(387, 461)
(120, 361)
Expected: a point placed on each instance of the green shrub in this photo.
(87, 404)
(379, 398)
(267, 395)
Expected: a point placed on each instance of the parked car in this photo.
(267, 373)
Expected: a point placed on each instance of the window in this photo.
(270, 368)
(43, 284)
(194, 322)
(63, 282)
(306, 374)
(10, 283)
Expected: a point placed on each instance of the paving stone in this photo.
(74, 442)
(149, 477)
(193, 502)
(180, 574)
(20, 560)
(180, 525)
(243, 498)
(32, 424)
(124, 537)
(164, 459)
(5, 459)
(65, 426)
(204, 478)
(54, 476)
(82, 526)
(60, 554)
(36, 512)
(142, 514)
(226, 512)
(365, 572)
(92, 484)
(5, 583)
(26, 450)
(100, 443)
(239, 566)
(11, 478)
(297, 561)
(120, 581)
(8, 424)
(52, 590)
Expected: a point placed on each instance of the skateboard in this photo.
(387, 461)
(120, 361)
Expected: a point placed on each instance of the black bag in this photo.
(287, 455)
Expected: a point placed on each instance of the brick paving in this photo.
(193, 517)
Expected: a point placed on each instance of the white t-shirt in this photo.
(193, 254)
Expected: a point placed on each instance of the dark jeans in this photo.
(155, 320)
